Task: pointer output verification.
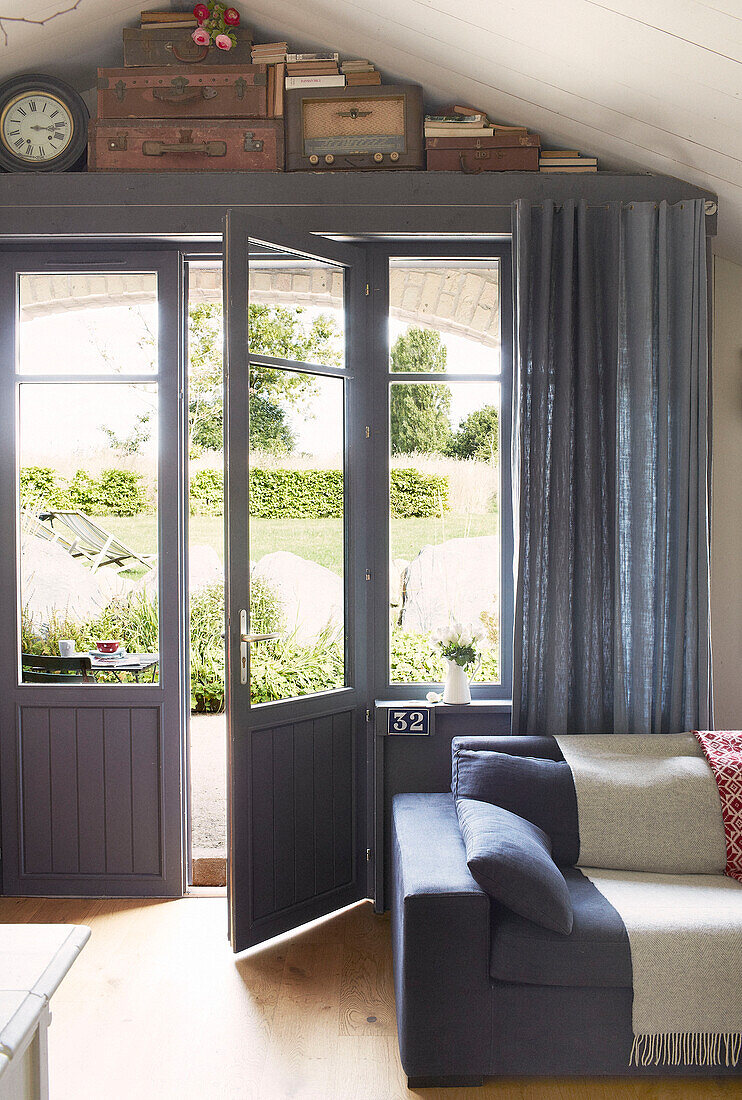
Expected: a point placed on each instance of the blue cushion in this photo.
(510, 858)
(541, 791)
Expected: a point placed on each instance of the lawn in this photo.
(317, 540)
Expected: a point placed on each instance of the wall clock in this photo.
(43, 125)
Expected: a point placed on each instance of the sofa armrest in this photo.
(441, 941)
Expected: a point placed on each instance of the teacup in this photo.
(107, 646)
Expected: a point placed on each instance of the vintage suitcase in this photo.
(486, 154)
(185, 145)
(160, 45)
(201, 91)
(366, 127)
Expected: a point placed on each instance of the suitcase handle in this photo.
(193, 60)
(203, 148)
(181, 94)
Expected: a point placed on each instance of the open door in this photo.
(297, 577)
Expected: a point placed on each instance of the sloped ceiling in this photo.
(646, 85)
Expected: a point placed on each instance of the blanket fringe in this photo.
(687, 1049)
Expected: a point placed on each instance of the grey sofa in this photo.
(482, 991)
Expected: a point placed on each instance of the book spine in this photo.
(315, 82)
(299, 57)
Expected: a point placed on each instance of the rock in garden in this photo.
(458, 579)
(53, 581)
(311, 597)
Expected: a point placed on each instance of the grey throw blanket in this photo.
(648, 806)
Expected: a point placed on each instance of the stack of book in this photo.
(313, 70)
(171, 19)
(566, 160)
(360, 72)
(269, 53)
(466, 122)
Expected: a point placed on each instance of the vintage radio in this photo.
(186, 145)
(163, 45)
(203, 91)
(500, 153)
(366, 127)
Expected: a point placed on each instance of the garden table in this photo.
(134, 663)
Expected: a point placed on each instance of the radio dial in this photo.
(314, 159)
(378, 157)
(394, 156)
(329, 158)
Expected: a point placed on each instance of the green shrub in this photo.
(283, 669)
(38, 487)
(82, 493)
(207, 493)
(121, 493)
(417, 495)
(296, 494)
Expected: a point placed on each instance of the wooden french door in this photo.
(91, 398)
(297, 577)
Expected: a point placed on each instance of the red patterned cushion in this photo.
(723, 750)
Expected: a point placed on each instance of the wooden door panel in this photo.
(90, 778)
(303, 779)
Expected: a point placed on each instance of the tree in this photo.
(132, 443)
(276, 332)
(478, 435)
(419, 412)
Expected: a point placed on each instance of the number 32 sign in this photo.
(409, 721)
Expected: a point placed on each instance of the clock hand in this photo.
(41, 127)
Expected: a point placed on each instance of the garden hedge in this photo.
(317, 494)
(274, 494)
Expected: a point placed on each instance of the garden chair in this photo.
(35, 525)
(94, 542)
(36, 669)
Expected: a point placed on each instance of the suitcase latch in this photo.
(251, 144)
(239, 86)
(117, 143)
(179, 84)
(120, 90)
(482, 154)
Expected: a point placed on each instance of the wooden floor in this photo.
(158, 1008)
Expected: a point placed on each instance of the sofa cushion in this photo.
(595, 953)
(541, 791)
(510, 858)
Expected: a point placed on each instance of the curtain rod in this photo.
(710, 207)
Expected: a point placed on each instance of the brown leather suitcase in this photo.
(496, 141)
(474, 157)
(363, 128)
(160, 45)
(185, 145)
(198, 91)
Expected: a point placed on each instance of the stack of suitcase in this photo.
(176, 107)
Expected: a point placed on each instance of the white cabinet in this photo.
(34, 959)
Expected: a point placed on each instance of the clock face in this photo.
(36, 127)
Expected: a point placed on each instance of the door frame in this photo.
(169, 696)
(244, 720)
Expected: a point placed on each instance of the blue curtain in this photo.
(611, 469)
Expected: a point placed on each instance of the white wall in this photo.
(726, 548)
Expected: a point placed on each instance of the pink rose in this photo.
(232, 17)
(201, 12)
(201, 37)
(223, 41)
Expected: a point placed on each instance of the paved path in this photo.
(209, 783)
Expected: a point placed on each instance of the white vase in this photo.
(456, 689)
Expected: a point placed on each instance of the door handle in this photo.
(245, 640)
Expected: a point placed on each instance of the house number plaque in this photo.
(410, 721)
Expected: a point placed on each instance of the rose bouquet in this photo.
(457, 643)
(216, 24)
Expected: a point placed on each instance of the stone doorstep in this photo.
(208, 867)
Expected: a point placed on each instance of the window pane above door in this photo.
(87, 323)
(296, 309)
(452, 310)
(297, 539)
